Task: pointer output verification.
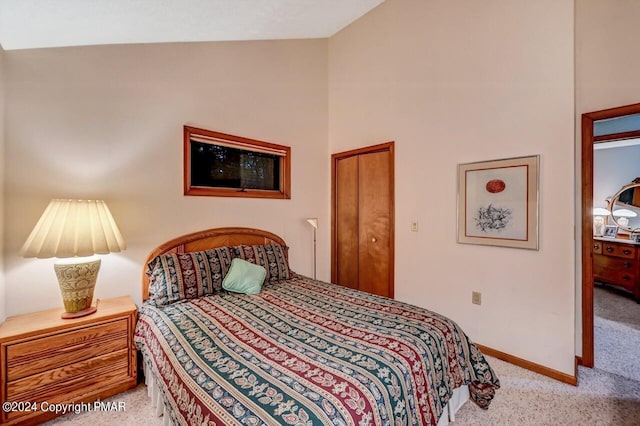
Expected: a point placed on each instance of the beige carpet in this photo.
(606, 395)
(528, 398)
(616, 333)
(137, 411)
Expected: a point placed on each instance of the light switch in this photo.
(476, 298)
(414, 225)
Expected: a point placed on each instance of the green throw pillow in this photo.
(244, 277)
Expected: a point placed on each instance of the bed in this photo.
(300, 351)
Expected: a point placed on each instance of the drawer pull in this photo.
(72, 348)
(596, 246)
(609, 249)
(626, 265)
(626, 278)
(72, 381)
(626, 251)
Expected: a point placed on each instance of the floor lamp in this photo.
(314, 222)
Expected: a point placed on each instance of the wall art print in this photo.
(498, 202)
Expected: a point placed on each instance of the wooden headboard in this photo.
(210, 238)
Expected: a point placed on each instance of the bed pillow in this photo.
(244, 277)
(271, 256)
(179, 276)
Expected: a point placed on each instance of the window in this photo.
(221, 165)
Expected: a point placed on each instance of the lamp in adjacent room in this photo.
(599, 214)
(623, 216)
(314, 222)
(75, 231)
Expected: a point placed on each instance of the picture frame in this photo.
(498, 202)
(610, 231)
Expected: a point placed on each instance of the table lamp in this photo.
(598, 220)
(75, 231)
(623, 216)
(314, 222)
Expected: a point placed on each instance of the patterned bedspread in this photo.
(303, 352)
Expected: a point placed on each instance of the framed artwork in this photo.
(498, 202)
(610, 231)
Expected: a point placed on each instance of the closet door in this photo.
(374, 213)
(346, 222)
(362, 226)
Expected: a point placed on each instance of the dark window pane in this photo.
(627, 196)
(218, 166)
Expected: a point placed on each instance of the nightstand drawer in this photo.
(47, 353)
(71, 381)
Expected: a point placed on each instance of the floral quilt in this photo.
(304, 352)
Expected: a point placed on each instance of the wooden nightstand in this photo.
(45, 360)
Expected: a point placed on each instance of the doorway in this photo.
(362, 219)
(587, 249)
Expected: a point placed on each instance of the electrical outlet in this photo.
(476, 298)
(414, 225)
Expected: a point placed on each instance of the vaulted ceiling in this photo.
(26, 24)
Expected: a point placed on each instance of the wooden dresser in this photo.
(46, 360)
(617, 262)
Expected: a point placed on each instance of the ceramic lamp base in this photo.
(77, 281)
(598, 226)
(623, 221)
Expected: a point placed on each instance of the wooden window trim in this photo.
(617, 136)
(242, 143)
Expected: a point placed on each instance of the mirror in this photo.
(627, 202)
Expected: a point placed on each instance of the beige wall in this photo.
(607, 64)
(106, 122)
(464, 81)
(607, 60)
(2, 166)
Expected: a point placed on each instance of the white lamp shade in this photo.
(70, 228)
(624, 213)
(599, 211)
(313, 222)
